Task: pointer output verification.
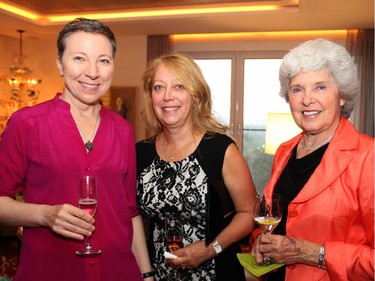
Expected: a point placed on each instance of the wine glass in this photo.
(267, 215)
(173, 235)
(88, 201)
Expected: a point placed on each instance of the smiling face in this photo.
(315, 101)
(87, 67)
(172, 104)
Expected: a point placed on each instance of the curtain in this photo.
(360, 43)
(158, 45)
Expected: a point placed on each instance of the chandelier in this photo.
(22, 84)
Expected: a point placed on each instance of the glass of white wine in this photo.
(88, 201)
(267, 215)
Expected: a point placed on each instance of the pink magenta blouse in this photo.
(42, 153)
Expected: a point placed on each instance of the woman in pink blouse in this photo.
(46, 148)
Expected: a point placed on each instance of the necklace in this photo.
(177, 150)
(88, 144)
(312, 148)
(174, 156)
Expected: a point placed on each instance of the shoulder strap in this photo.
(210, 154)
(146, 152)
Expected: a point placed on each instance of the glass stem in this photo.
(266, 259)
(88, 242)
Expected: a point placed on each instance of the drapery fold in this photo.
(158, 45)
(360, 43)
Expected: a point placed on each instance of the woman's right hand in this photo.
(66, 220)
(69, 221)
(192, 255)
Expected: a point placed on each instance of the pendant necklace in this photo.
(88, 144)
(181, 150)
(312, 148)
(173, 156)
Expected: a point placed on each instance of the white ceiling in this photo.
(306, 15)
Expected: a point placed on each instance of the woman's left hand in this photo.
(192, 255)
(285, 249)
(281, 249)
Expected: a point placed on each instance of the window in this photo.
(217, 73)
(245, 88)
(261, 96)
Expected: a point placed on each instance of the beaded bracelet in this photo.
(148, 274)
(321, 256)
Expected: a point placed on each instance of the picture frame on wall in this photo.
(123, 100)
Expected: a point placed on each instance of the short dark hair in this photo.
(86, 25)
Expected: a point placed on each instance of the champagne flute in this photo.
(267, 214)
(174, 235)
(88, 201)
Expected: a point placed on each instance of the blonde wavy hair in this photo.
(191, 77)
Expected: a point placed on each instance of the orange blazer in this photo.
(335, 207)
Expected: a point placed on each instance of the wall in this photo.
(40, 57)
(256, 43)
(130, 62)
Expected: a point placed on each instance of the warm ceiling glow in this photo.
(169, 12)
(257, 35)
(20, 11)
(147, 14)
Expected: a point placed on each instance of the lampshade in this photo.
(280, 128)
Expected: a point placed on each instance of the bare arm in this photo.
(238, 180)
(139, 247)
(66, 220)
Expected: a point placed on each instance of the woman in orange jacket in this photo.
(325, 175)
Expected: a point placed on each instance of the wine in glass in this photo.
(173, 235)
(88, 201)
(267, 215)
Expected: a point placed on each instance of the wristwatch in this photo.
(217, 247)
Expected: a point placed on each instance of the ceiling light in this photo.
(186, 11)
(22, 83)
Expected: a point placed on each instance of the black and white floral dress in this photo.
(181, 186)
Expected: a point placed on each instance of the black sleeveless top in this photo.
(184, 185)
(295, 175)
